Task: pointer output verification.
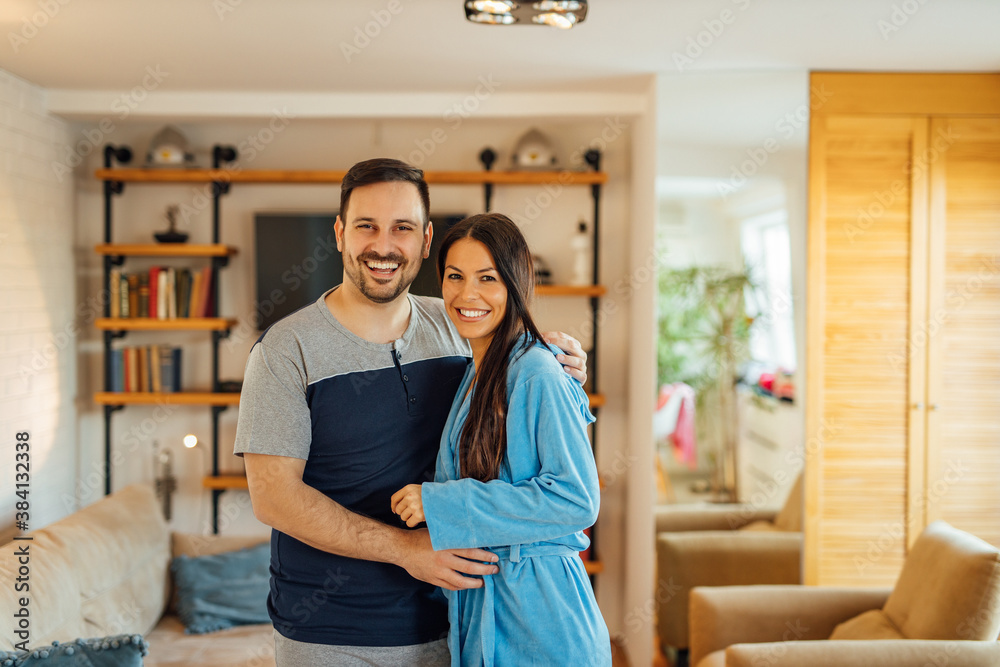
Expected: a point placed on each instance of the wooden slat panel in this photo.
(838, 93)
(963, 334)
(858, 365)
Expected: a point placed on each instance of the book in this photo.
(208, 294)
(197, 278)
(143, 295)
(171, 293)
(184, 293)
(161, 294)
(154, 368)
(166, 362)
(154, 291)
(132, 364)
(143, 368)
(116, 371)
(123, 292)
(133, 295)
(176, 359)
(115, 296)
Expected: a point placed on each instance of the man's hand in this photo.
(408, 504)
(443, 568)
(574, 360)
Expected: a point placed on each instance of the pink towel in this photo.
(683, 435)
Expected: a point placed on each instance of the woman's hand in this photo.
(407, 504)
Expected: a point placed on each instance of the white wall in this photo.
(38, 296)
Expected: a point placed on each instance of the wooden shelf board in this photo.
(166, 249)
(153, 324)
(593, 566)
(597, 400)
(570, 290)
(334, 177)
(178, 398)
(225, 482)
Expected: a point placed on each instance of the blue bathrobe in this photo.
(539, 609)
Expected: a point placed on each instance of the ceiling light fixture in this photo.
(556, 13)
(491, 19)
(559, 5)
(556, 19)
(491, 6)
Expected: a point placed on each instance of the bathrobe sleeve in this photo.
(547, 417)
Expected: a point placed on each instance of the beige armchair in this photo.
(722, 545)
(944, 610)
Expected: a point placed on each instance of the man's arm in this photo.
(283, 501)
(574, 359)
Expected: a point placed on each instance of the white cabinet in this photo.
(769, 449)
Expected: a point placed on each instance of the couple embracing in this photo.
(424, 463)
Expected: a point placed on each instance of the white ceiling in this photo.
(426, 45)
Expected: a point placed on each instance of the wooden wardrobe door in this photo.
(867, 230)
(963, 330)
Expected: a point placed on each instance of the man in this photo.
(343, 403)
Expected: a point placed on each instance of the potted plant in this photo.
(703, 338)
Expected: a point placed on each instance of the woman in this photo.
(515, 472)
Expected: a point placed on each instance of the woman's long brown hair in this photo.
(483, 443)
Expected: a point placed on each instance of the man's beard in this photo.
(358, 273)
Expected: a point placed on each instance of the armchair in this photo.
(944, 609)
(721, 545)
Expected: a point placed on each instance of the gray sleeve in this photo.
(274, 417)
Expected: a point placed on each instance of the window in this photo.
(767, 253)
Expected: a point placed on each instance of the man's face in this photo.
(383, 239)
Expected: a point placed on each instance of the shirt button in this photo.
(406, 378)
(413, 399)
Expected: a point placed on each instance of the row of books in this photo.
(155, 368)
(163, 292)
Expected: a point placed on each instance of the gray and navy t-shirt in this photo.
(367, 418)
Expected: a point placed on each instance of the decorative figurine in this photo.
(534, 151)
(171, 235)
(169, 148)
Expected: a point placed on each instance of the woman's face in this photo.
(474, 295)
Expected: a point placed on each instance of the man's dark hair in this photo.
(383, 170)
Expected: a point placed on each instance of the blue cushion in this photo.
(117, 651)
(222, 590)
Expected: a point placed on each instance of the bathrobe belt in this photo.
(514, 554)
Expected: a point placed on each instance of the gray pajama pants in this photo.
(292, 653)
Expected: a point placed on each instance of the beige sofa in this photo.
(105, 571)
(721, 545)
(944, 610)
